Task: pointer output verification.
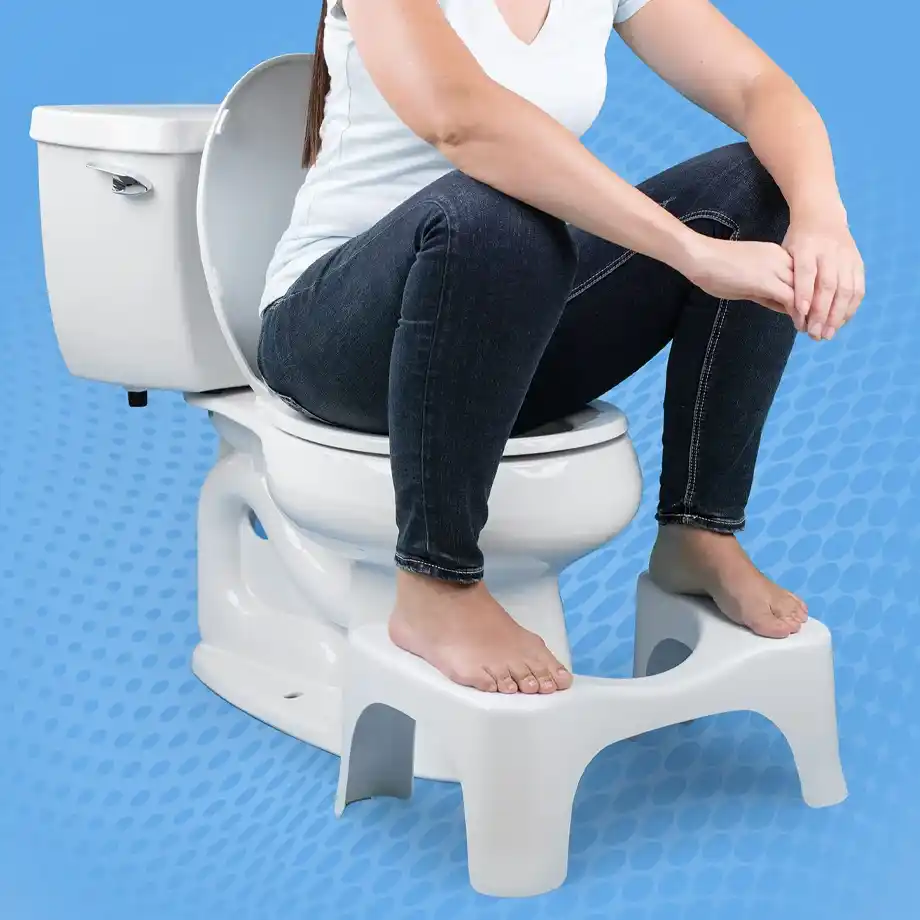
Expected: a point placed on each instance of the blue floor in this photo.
(128, 790)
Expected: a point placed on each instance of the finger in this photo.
(773, 305)
(786, 275)
(825, 289)
(860, 290)
(784, 259)
(779, 308)
(805, 272)
(778, 292)
(798, 319)
(840, 307)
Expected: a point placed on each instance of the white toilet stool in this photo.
(690, 661)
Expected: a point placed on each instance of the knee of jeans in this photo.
(768, 207)
(490, 220)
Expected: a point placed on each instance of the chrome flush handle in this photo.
(123, 184)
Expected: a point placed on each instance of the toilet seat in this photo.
(597, 423)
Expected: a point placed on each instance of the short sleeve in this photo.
(626, 8)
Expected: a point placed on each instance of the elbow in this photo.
(448, 134)
(763, 90)
(454, 118)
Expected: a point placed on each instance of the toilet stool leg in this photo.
(658, 646)
(378, 746)
(803, 707)
(517, 801)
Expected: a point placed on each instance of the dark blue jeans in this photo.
(465, 317)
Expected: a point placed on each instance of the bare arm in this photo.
(442, 94)
(695, 49)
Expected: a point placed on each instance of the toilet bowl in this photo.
(158, 223)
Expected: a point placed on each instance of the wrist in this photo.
(687, 250)
(814, 209)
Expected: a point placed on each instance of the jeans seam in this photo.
(710, 518)
(434, 335)
(602, 273)
(702, 390)
(412, 560)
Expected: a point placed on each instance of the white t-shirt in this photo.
(370, 162)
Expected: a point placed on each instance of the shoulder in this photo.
(623, 9)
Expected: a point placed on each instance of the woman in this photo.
(459, 268)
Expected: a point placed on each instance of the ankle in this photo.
(413, 585)
(687, 534)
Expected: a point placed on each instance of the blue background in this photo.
(128, 790)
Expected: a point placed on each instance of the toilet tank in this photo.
(117, 187)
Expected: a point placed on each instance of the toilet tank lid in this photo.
(124, 128)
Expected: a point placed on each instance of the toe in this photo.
(791, 611)
(778, 628)
(552, 673)
(477, 678)
(563, 677)
(524, 678)
(560, 674)
(784, 614)
(503, 680)
(543, 671)
(770, 624)
(484, 681)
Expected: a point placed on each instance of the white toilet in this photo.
(157, 224)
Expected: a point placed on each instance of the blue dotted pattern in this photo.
(128, 789)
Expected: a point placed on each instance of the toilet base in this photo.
(274, 648)
(265, 646)
(310, 711)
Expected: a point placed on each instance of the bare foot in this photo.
(470, 638)
(687, 560)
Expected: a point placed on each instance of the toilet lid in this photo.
(598, 423)
(250, 174)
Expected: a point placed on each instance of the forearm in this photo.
(507, 143)
(788, 136)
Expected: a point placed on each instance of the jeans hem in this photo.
(700, 521)
(467, 576)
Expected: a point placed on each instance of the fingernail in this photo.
(815, 329)
(829, 333)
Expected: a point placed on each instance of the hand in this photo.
(742, 270)
(829, 276)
